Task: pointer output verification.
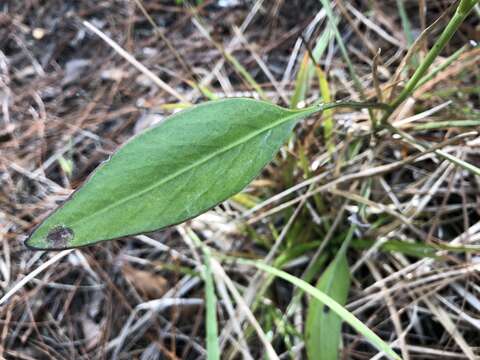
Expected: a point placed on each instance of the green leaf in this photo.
(175, 171)
(347, 316)
(415, 248)
(213, 348)
(323, 327)
(306, 69)
(302, 82)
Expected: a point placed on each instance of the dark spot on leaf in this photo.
(59, 236)
(326, 309)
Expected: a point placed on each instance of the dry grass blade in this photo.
(19, 285)
(71, 92)
(159, 82)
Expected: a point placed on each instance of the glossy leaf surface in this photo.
(173, 172)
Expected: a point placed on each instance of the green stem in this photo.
(333, 24)
(461, 13)
(320, 106)
(422, 147)
(213, 349)
(441, 67)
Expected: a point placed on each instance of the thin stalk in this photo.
(343, 49)
(457, 19)
(423, 147)
(333, 24)
(454, 57)
(321, 106)
(213, 349)
(407, 28)
(448, 124)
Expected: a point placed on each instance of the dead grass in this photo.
(68, 100)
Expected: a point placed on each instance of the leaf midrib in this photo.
(297, 114)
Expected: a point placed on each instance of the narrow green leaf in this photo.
(347, 316)
(446, 63)
(323, 326)
(415, 248)
(306, 69)
(172, 172)
(407, 28)
(463, 9)
(332, 20)
(448, 124)
(302, 82)
(66, 165)
(245, 74)
(328, 114)
(213, 348)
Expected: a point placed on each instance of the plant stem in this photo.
(422, 147)
(320, 106)
(461, 13)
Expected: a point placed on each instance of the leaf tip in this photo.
(58, 237)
